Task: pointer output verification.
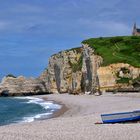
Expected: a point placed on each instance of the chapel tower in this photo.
(136, 31)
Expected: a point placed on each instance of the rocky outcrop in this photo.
(75, 85)
(21, 86)
(75, 71)
(117, 76)
(81, 71)
(60, 71)
(91, 63)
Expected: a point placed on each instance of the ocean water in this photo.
(25, 109)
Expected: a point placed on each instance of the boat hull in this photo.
(121, 117)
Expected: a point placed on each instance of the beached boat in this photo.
(121, 117)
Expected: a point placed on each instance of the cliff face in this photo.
(62, 76)
(21, 86)
(80, 71)
(118, 76)
(60, 71)
(75, 71)
(91, 63)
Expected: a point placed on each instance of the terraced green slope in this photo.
(118, 49)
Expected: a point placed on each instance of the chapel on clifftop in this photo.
(136, 31)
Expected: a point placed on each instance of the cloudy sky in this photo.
(32, 30)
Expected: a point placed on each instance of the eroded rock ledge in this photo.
(11, 86)
(75, 71)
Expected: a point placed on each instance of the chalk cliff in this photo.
(61, 71)
(75, 71)
(80, 71)
(21, 86)
(118, 76)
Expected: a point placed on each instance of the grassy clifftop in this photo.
(125, 49)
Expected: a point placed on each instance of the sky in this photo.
(32, 30)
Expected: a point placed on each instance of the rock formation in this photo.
(62, 70)
(117, 76)
(80, 71)
(21, 86)
(91, 63)
(75, 71)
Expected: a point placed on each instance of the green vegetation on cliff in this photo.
(77, 66)
(123, 80)
(120, 49)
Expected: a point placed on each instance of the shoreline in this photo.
(60, 111)
(38, 116)
(77, 120)
(55, 114)
(67, 109)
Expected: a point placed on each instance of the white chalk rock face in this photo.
(60, 70)
(22, 86)
(74, 71)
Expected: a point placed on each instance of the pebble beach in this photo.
(76, 120)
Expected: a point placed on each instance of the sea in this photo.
(25, 109)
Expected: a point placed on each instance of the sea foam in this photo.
(49, 106)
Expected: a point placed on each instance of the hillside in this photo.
(119, 49)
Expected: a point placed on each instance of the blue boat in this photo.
(121, 117)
